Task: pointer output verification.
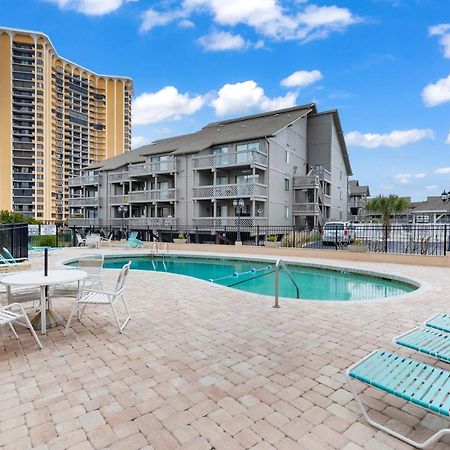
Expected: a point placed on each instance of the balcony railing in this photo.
(83, 201)
(118, 199)
(230, 191)
(222, 222)
(83, 180)
(152, 222)
(306, 208)
(83, 222)
(153, 195)
(242, 158)
(312, 180)
(117, 177)
(147, 169)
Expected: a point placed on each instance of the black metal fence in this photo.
(14, 237)
(407, 239)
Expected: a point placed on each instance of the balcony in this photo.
(83, 222)
(152, 222)
(242, 158)
(118, 199)
(83, 180)
(309, 209)
(312, 180)
(153, 195)
(77, 202)
(222, 222)
(230, 191)
(147, 169)
(118, 177)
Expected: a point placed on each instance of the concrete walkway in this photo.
(206, 367)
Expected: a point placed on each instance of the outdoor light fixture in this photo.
(445, 196)
(238, 206)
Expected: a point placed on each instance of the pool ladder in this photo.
(278, 266)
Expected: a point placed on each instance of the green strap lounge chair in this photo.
(423, 385)
(440, 322)
(429, 341)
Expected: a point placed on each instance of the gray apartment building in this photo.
(286, 167)
(357, 199)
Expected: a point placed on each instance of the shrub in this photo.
(44, 241)
(272, 238)
(181, 236)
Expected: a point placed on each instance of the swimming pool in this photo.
(315, 283)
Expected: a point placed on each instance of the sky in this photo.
(384, 64)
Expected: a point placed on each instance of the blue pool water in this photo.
(258, 277)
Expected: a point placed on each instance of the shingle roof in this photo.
(433, 203)
(216, 133)
(356, 189)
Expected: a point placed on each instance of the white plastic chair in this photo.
(93, 266)
(8, 317)
(93, 297)
(81, 242)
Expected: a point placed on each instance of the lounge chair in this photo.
(33, 249)
(81, 242)
(4, 261)
(440, 322)
(423, 385)
(133, 241)
(429, 341)
(10, 258)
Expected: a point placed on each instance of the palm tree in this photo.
(387, 206)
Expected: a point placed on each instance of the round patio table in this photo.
(38, 279)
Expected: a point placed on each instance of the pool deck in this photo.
(201, 366)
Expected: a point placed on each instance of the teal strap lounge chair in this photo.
(133, 241)
(429, 341)
(10, 258)
(440, 322)
(423, 385)
(3, 260)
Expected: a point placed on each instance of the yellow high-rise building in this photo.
(56, 118)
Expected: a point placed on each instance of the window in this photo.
(286, 184)
(286, 157)
(286, 212)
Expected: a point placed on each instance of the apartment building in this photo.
(357, 199)
(56, 118)
(285, 167)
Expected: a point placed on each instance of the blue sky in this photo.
(385, 64)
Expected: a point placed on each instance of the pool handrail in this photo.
(281, 264)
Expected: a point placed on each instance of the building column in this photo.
(214, 208)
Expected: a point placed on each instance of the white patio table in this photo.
(38, 279)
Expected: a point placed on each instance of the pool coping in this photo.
(421, 286)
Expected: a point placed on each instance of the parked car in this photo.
(337, 233)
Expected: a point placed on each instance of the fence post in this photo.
(445, 240)
(11, 233)
(257, 236)
(74, 237)
(293, 236)
(196, 234)
(385, 239)
(56, 239)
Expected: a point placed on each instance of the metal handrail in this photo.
(281, 264)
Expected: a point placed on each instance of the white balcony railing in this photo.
(241, 158)
(83, 180)
(83, 201)
(152, 195)
(221, 222)
(152, 222)
(230, 191)
(83, 222)
(139, 170)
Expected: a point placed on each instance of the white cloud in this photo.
(437, 93)
(152, 18)
(431, 187)
(443, 31)
(448, 138)
(241, 97)
(395, 138)
(403, 178)
(442, 171)
(167, 103)
(266, 17)
(90, 7)
(420, 175)
(222, 40)
(138, 141)
(302, 78)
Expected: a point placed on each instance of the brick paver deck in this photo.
(206, 367)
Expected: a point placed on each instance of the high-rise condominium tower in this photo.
(56, 118)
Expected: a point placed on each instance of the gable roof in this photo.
(355, 189)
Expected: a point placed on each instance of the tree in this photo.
(387, 206)
(15, 217)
